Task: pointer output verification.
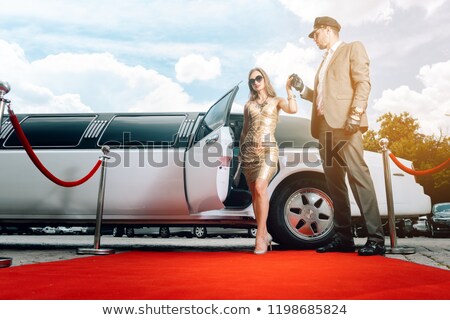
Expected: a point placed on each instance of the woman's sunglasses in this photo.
(257, 79)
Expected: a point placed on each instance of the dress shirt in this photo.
(323, 68)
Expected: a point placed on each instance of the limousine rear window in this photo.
(142, 131)
(51, 131)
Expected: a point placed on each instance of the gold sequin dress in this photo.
(259, 150)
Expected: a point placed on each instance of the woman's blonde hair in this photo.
(270, 90)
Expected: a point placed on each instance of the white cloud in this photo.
(429, 106)
(196, 67)
(429, 6)
(291, 59)
(350, 12)
(120, 15)
(86, 82)
(237, 108)
(37, 99)
(30, 96)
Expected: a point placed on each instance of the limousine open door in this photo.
(207, 160)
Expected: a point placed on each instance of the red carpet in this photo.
(283, 275)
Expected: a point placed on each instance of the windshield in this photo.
(442, 209)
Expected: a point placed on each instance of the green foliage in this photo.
(426, 152)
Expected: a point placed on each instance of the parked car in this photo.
(106, 230)
(421, 227)
(63, 230)
(203, 232)
(177, 169)
(403, 228)
(77, 230)
(440, 219)
(163, 232)
(49, 230)
(15, 230)
(37, 230)
(199, 232)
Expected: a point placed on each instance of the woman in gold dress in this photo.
(258, 147)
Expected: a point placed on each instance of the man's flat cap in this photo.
(321, 22)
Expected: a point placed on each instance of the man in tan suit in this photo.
(340, 95)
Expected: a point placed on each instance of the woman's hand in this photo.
(296, 82)
(289, 84)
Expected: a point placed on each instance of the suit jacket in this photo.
(346, 86)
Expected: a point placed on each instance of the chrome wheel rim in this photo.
(199, 232)
(308, 214)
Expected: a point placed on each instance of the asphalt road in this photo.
(28, 249)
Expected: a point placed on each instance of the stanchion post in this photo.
(100, 202)
(4, 89)
(390, 203)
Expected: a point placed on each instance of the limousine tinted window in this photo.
(294, 132)
(52, 131)
(142, 131)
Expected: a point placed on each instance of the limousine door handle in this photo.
(213, 139)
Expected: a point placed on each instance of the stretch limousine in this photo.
(169, 169)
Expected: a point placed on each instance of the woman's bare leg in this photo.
(261, 209)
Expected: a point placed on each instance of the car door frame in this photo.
(207, 184)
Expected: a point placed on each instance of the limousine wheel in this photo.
(301, 214)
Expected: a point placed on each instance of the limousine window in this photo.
(52, 131)
(138, 131)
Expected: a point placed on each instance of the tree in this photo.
(426, 152)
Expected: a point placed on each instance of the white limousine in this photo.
(176, 169)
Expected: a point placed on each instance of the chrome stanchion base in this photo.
(5, 262)
(400, 250)
(95, 251)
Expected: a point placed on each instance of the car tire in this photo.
(129, 232)
(433, 232)
(301, 214)
(252, 232)
(164, 232)
(200, 232)
(117, 232)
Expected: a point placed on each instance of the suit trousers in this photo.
(342, 155)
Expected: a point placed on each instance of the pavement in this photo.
(29, 249)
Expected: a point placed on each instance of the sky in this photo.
(166, 56)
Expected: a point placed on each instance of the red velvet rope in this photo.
(442, 166)
(23, 139)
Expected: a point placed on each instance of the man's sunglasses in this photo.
(257, 79)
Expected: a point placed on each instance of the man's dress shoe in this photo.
(337, 245)
(371, 248)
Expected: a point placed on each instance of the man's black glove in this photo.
(297, 82)
(351, 126)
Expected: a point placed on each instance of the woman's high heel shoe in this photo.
(268, 245)
(269, 241)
